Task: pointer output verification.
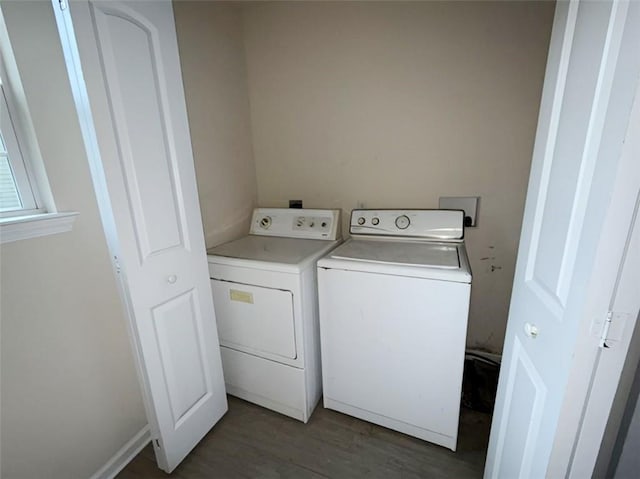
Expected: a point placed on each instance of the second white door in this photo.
(124, 68)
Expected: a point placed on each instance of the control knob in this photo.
(265, 222)
(403, 222)
(361, 220)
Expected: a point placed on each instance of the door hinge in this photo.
(157, 443)
(116, 263)
(63, 4)
(605, 330)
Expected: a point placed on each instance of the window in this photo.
(16, 192)
(27, 209)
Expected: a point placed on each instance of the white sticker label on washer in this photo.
(242, 296)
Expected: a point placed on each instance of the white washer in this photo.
(265, 298)
(394, 302)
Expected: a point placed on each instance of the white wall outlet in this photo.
(469, 204)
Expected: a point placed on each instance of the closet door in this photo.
(124, 68)
(571, 229)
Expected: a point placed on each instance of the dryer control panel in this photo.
(443, 225)
(296, 223)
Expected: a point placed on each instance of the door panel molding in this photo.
(143, 188)
(606, 72)
(175, 325)
(520, 361)
(562, 51)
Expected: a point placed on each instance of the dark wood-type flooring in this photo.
(253, 442)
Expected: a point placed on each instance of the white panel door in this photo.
(125, 74)
(592, 73)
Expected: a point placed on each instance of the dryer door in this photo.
(255, 319)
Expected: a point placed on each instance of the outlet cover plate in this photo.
(469, 204)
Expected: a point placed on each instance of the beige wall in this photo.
(395, 104)
(70, 396)
(388, 105)
(210, 38)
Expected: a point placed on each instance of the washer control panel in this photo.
(296, 223)
(427, 224)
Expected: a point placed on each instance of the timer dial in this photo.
(265, 222)
(403, 222)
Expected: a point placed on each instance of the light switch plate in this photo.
(469, 204)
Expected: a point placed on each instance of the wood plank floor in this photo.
(253, 442)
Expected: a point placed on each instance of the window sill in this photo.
(24, 227)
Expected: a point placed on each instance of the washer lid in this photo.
(271, 249)
(431, 255)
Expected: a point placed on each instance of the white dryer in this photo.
(265, 298)
(394, 302)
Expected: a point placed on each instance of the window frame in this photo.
(39, 216)
(20, 168)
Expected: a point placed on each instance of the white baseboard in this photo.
(124, 456)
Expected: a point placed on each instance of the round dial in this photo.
(375, 221)
(265, 222)
(403, 222)
(361, 220)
